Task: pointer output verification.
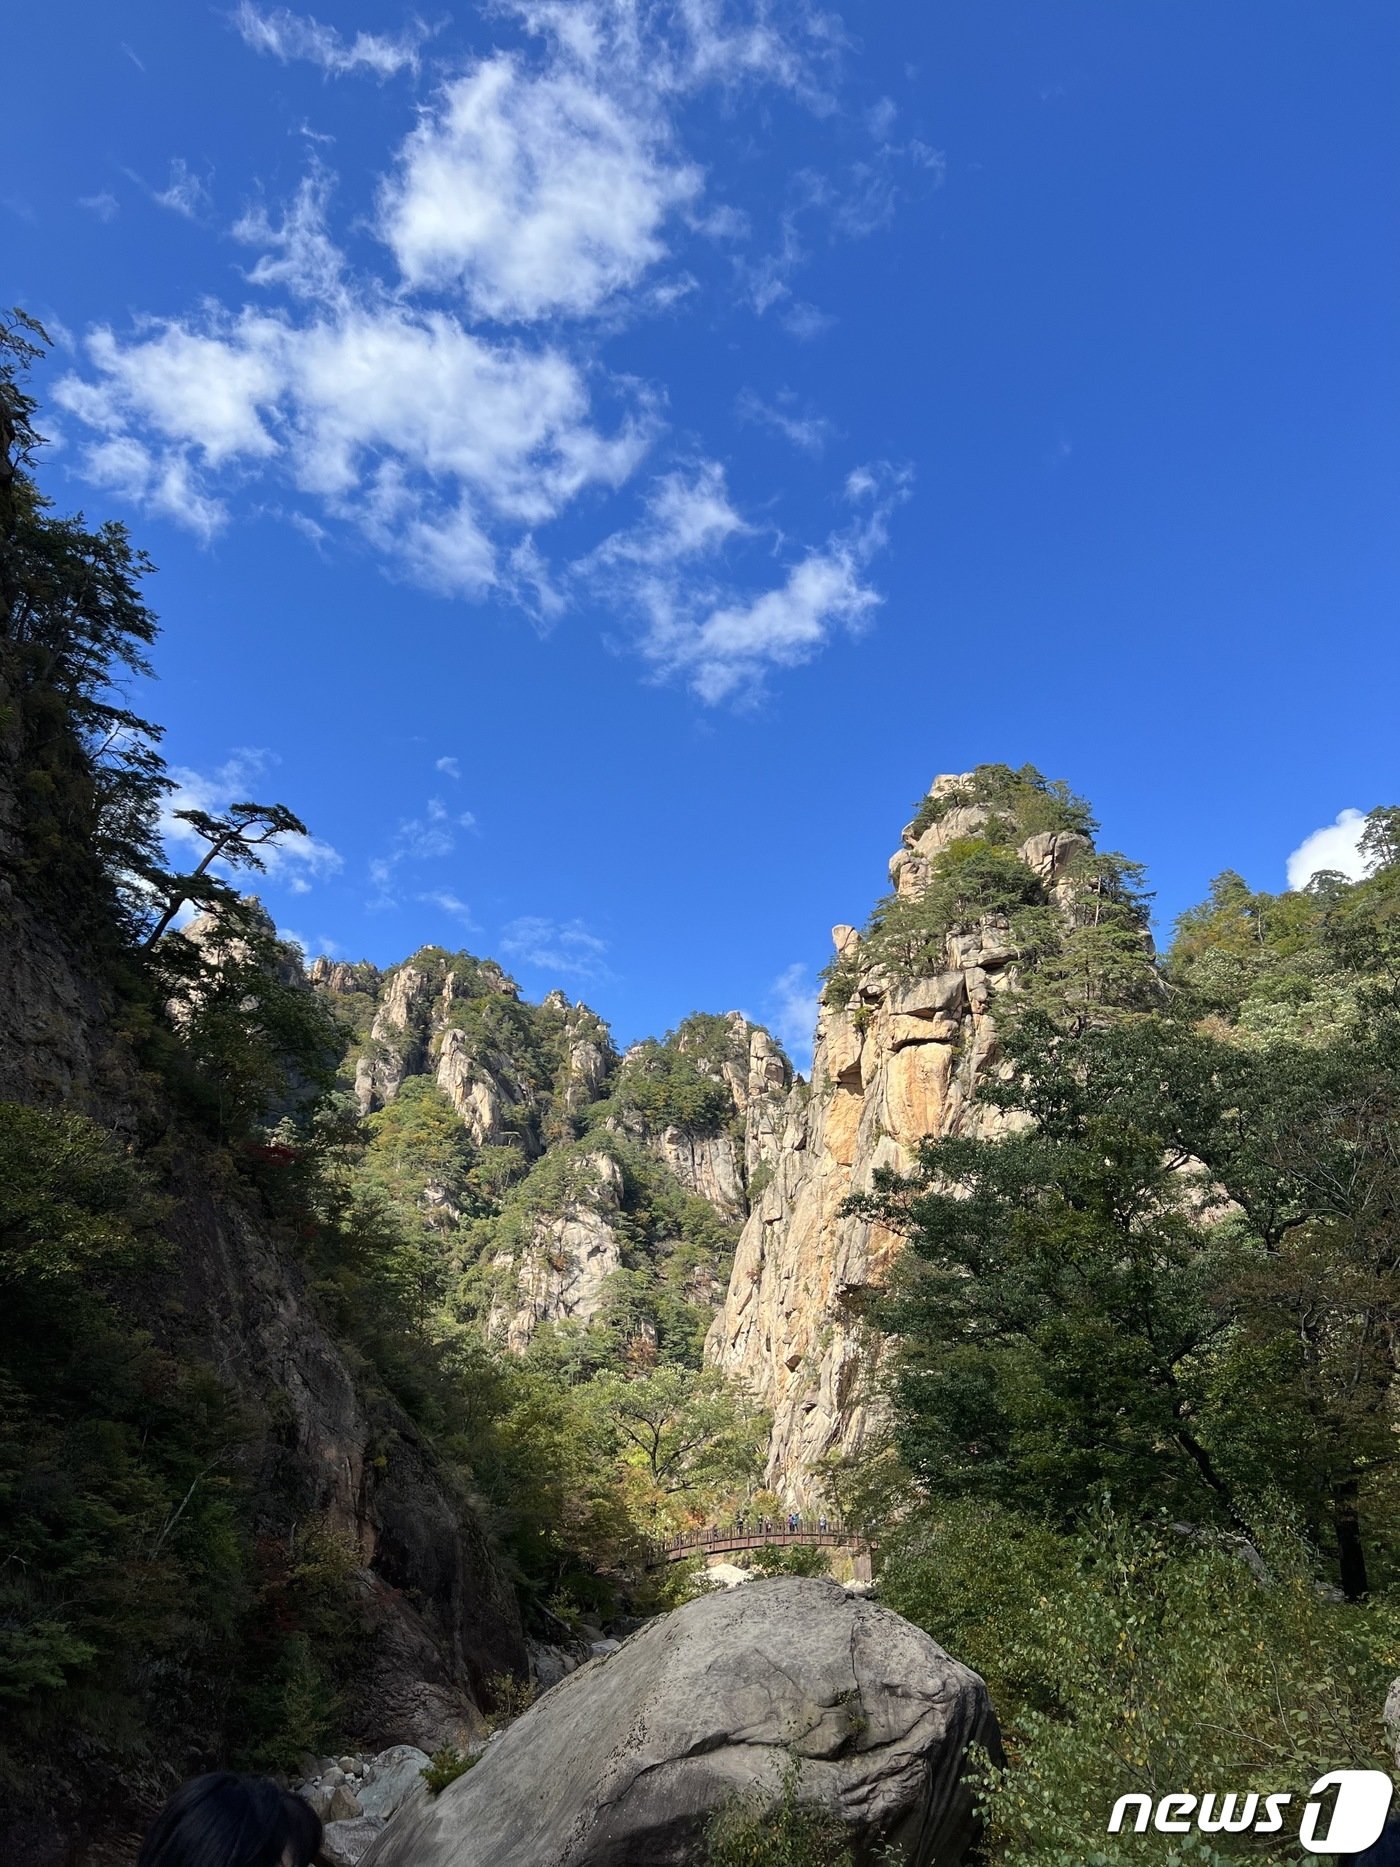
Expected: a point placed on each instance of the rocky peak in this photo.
(714, 1144)
(899, 1055)
(341, 977)
(532, 1085)
(422, 1025)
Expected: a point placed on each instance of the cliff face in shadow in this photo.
(317, 1446)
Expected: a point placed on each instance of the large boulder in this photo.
(391, 1778)
(623, 1763)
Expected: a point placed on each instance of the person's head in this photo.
(232, 1821)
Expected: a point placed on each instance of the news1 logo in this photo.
(1358, 1813)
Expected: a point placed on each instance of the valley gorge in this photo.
(388, 1355)
(776, 1157)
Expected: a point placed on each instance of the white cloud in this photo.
(451, 905)
(541, 186)
(299, 253)
(184, 194)
(104, 204)
(449, 767)
(723, 640)
(1334, 846)
(196, 389)
(420, 433)
(555, 946)
(535, 192)
(686, 514)
(792, 1012)
(162, 482)
(294, 861)
(285, 35)
(725, 654)
(808, 432)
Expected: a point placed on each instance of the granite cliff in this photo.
(582, 1173)
(904, 1038)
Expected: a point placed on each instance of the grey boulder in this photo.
(624, 1762)
(391, 1778)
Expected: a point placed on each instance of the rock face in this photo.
(413, 1034)
(562, 1270)
(535, 1084)
(902, 1060)
(718, 1162)
(623, 1763)
(316, 1446)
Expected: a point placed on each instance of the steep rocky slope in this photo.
(900, 1053)
(579, 1169)
(314, 1446)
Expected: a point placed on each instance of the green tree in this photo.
(74, 629)
(688, 1430)
(1132, 1659)
(255, 1046)
(1177, 1287)
(123, 1576)
(236, 838)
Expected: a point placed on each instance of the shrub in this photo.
(668, 1089)
(751, 1832)
(444, 1767)
(907, 935)
(1134, 1658)
(791, 1559)
(509, 1697)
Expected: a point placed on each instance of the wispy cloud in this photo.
(449, 767)
(284, 35)
(430, 837)
(685, 515)
(722, 638)
(104, 204)
(783, 416)
(791, 1004)
(1334, 846)
(298, 253)
(804, 321)
(450, 904)
(556, 946)
(320, 944)
(184, 193)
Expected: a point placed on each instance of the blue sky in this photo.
(603, 460)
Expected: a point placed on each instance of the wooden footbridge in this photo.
(721, 1540)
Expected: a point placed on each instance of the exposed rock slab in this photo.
(901, 1061)
(623, 1763)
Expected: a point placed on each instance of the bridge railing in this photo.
(720, 1539)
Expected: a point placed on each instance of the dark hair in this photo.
(232, 1821)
